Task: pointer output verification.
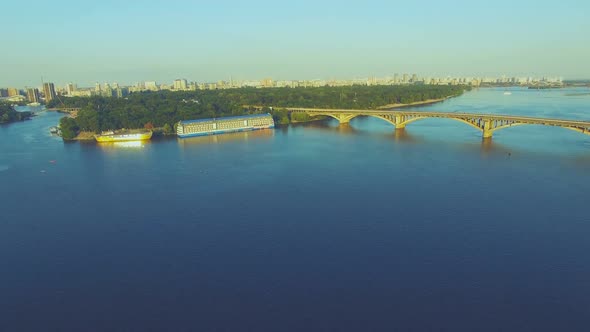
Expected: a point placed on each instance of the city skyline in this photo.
(67, 41)
(395, 78)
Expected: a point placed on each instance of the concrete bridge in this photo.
(486, 123)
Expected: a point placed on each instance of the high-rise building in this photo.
(70, 88)
(106, 90)
(49, 91)
(33, 95)
(3, 93)
(13, 92)
(180, 84)
(406, 78)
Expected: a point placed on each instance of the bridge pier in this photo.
(400, 122)
(487, 129)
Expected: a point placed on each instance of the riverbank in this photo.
(84, 136)
(418, 103)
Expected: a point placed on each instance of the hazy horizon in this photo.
(108, 41)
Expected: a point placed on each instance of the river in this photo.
(311, 227)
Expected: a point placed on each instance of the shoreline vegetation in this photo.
(417, 103)
(161, 111)
(8, 114)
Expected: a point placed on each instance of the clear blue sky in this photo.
(129, 41)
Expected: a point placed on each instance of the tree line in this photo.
(9, 114)
(165, 108)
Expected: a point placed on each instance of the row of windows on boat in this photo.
(227, 125)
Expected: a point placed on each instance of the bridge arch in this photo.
(380, 117)
(342, 118)
(485, 123)
(578, 130)
(403, 123)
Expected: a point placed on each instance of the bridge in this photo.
(73, 112)
(486, 123)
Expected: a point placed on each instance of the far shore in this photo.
(418, 103)
(89, 136)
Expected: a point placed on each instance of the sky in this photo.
(205, 41)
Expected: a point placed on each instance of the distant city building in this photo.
(3, 93)
(106, 91)
(180, 84)
(70, 88)
(82, 93)
(151, 86)
(267, 83)
(121, 92)
(13, 92)
(33, 95)
(49, 91)
(97, 88)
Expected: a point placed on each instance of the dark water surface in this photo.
(306, 228)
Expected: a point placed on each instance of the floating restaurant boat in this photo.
(224, 125)
(123, 136)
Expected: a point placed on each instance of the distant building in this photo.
(151, 86)
(180, 84)
(70, 88)
(13, 92)
(106, 91)
(121, 92)
(97, 88)
(267, 83)
(49, 91)
(82, 93)
(33, 95)
(3, 93)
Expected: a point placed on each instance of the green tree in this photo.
(69, 128)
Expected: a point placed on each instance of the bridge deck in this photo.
(516, 118)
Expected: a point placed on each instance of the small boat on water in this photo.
(55, 131)
(34, 104)
(123, 136)
(507, 93)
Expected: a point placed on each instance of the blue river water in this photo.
(314, 227)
